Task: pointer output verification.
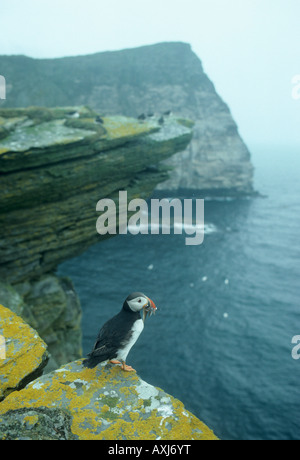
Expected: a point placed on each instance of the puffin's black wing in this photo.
(108, 342)
(99, 355)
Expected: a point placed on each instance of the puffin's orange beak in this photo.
(149, 308)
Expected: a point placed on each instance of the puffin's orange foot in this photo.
(127, 368)
(114, 361)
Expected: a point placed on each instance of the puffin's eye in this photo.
(139, 300)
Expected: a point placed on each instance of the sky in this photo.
(249, 48)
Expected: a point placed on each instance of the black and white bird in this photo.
(119, 334)
(100, 120)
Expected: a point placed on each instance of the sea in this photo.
(227, 310)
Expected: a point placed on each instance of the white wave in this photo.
(220, 198)
(185, 228)
(138, 228)
(207, 228)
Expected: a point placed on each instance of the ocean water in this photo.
(228, 309)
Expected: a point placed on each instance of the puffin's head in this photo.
(137, 301)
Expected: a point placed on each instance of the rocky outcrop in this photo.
(150, 79)
(51, 306)
(23, 354)
(107, 403)
(74, 402)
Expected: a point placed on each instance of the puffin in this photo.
(118, 335)
(98, 119)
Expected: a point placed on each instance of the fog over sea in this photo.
(221, 340)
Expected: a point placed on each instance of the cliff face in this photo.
(55, 165)
(55, 168)
(150, 79)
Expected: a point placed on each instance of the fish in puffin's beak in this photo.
(149, 309)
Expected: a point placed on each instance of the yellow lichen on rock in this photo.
(123, 127)
(25, 352)
(106, 403)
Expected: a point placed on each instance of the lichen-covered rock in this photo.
(23, 354)
(50, 305)
(100, 403)
(36, 424)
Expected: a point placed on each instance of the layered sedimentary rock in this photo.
(150, 79)
(56, 164)
(102, 403)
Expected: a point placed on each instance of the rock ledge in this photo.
(102, 403)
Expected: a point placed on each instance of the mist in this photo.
(249, 48)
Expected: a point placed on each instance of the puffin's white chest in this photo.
(137, 328)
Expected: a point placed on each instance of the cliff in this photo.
(150, 79)
(54, 169)
(74, 402)
(55, 165)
